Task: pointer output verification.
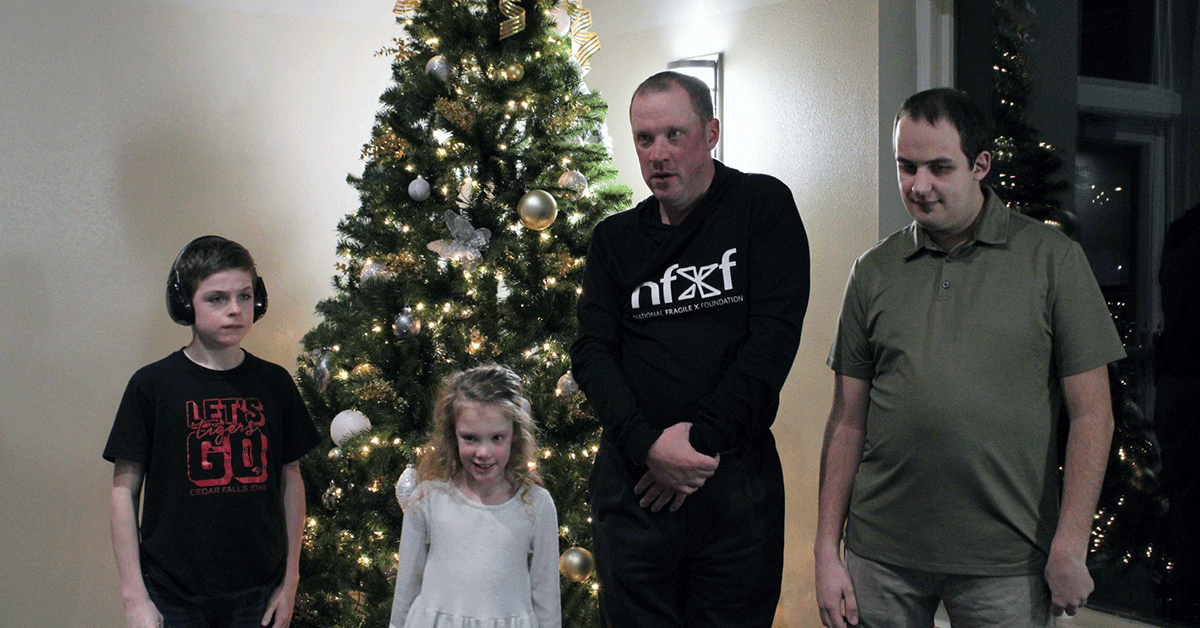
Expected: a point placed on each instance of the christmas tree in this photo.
(484, 176)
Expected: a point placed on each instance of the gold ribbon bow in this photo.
(516, 18)
(586, 44)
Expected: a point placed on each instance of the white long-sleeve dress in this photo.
(468, 565)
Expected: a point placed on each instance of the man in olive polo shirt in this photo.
(960, 337)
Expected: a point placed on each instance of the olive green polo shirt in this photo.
(965, 351)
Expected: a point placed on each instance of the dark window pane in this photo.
(1116, 39)
(1106, 178)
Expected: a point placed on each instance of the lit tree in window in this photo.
(1024, 166)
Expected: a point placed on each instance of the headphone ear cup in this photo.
(260, 298)
(179, 306)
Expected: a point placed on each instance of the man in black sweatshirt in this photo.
(689, 322)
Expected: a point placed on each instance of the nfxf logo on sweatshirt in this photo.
(687, 283)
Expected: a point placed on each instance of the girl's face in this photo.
(484, 437)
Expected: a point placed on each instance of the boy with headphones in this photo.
(213, 434)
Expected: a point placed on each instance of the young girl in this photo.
(479, 547)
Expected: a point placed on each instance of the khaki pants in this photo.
(895, 597)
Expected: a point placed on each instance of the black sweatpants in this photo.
(715, 562)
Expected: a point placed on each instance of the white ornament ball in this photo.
(418, 190)
(406, 485)
(439, 68)
(537, 209)
(346, 424)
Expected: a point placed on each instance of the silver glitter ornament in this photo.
(406, 485)
(404, 324)
(575, 181)
(320, 371)
(331, 495)
(374, 270)
(566, 385)
(439, 68)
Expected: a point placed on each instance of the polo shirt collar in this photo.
(992, 228)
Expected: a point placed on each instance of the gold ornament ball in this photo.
(537, 209)
(514, 72)
(576, 564)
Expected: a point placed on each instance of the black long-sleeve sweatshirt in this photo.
(696, 322)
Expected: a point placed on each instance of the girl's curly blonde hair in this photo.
(490, 384)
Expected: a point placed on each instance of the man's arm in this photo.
(1089, 407)
(140, 612)
(596, 366)
(283, 599)
(596, 355)
(841, 453)
(742, 404)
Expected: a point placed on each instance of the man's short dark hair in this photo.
(697, 91)
(944, 103)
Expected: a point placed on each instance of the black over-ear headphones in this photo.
(179, 303)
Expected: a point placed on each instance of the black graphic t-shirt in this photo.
(697, 322)
(213, 445)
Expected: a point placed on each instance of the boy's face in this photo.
(224, 305)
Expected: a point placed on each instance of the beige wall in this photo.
(126, 128)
